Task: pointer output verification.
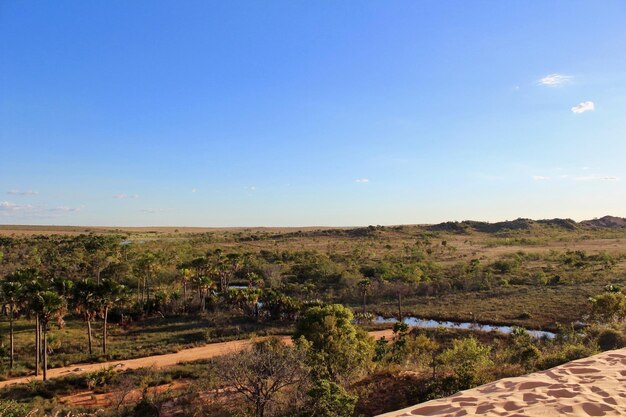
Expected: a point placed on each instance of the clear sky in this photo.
(263, 113)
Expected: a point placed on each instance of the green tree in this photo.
(338, 348)
(146, 267)
(248, 300)
(109, 294)
(33, 286)
(49, 306)
(329, 399)
(365, 286)
(13, 293)
(85, 302)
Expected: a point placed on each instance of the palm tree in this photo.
(364, 286)
(147, 266)
(110, 293)
(32, 284)
(49, 306)
(13, 291)
(204, 284)
(85, 302)
(184, 278)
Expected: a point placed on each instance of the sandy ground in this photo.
(185, 355)
(594, 386)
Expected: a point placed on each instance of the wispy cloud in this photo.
(554, 80)
(26, 193)
(7, 206)
(362, 180)
(151, 210)
(65, 209)
(565, 177)
(583, 107)
(124, 196)
(194, 190)
(597, 178)
(10, 209)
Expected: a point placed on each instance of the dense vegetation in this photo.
(113, 294)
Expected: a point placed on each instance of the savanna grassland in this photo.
(148, 291)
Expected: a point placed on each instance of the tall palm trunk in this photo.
(11, 336)
(104, 330)
(148, 278)
(364, 301)
(45, 353)
(89, 335)
(37, 345)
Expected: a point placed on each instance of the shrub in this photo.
(331, 400)
(609, 339)
(566, 353)
(468, 360)
(10, 408)
(608, 307)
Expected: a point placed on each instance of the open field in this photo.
(194, 293)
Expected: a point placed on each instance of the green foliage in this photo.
(505, 266)
(329, 399)
(609, 339)
(338, 349)
(11, 408)
(468, 360)
(101, 377)
(608, 307)
(523, 349)
(145, 408)
(566, 352)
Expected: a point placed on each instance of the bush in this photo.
(12, 408)
(610, 339)
(331, 400)
(468, 360)
(566, 353)
(145, 408)
(608, 307)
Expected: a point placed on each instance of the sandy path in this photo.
(594, 386)
(185, 355)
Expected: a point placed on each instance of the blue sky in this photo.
(293, 113)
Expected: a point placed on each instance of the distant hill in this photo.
(606, 222)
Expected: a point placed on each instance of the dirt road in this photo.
(185, 355)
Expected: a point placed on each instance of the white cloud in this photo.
(583, 107)
(18, 192)
(540, 178)
(10, 209)
(150, 210)
(362, 180)
(554, 80)
(123, 196)
(597, 178)
(65, 209)
(7, 206)
(193, 190)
